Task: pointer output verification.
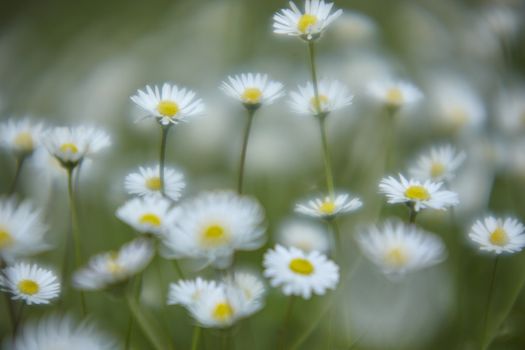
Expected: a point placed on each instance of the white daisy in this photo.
(327, 207)
(438, 164)
(397, 248)
(510, 111)
(213, 225)
(249, 289)
(61, 333)
(300, 273)
(333, 95)
(304, 235)
(71, 145)
(169, 104)
(146, 182)
(149, 214)
(30, 283)
(394, 94)
(106, 269)
(253, 90)
(307, 25)
(419, 194)
(21, 230)
(216, 308)
(20, 136)
(498, 235)
(189, 292)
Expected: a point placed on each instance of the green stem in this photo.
(9, 303)
(19, 163)
(485, 338)
(286, 322)
(412, 214)
(311, 54)
(240, 180)
(178, 269)
(162, 156)
(337, 238)
(326, 159)
(144, 323)
(195, 338)
(128, 334)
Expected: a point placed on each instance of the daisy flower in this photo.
(249, 289)
(333, 95)
(300, 273)
(110, 268)
(327, 208)
(170, 104)
(189, 292)
(397, 248)
(216, 309)
(253, 90)
(147, 215)
(309, 24)
(71, 145)
(421, 195)
(498, 235)
(394, 94)
(146, 182)
(21, 230)
(20, 136)
(304, 235)
(30, 283)
(61, 332)
(438, 164)
(213, 225)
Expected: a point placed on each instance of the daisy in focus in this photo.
(394, 94)
(417, 194)
(307, 25)
(304, 235)
(21, 230)
(107, 269)
(438, 164)
(213, 225)
(20, 136)
(333, 95)
(146, 182)
(30, 283)
(150, 215)
(397, 248)
(252, 90)
(169, 104)
(327, 208)
(300, 273)
(498, 235)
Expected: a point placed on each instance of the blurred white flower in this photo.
(21, 136)
(355, 28)
(498, 235)
(147, 214)
(438, 164)
(333, 95)
(249, 289)
(304, 235)
(394, 94)
(189, 292)
(327, 207)
(253, 90)
(503, 21)
(510, 111)
(146, 182)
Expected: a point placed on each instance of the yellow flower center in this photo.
(437, 169)
(396, 257)
(317, 103)
(153, 183)
(24, 141)
(301, 266)
(417, 193)
(214, 235)
(150, 219)
(252, 95)
(222, 311)
(69, 147)
(5, 238)
(112, 265)
(394, 97)
(499, 237)
(168, 108)
(306, 22)
(327, 207)
(29, 287)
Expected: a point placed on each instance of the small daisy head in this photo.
(213, 225)
(253, 90)
(216, 309)
(107, 269)
(416, 193)
(328, 207)
(397, 248)
(189, 292)
(249, 290)
(20, 136)
(150, 214)
(30, 283)
(308, 24)
(300, 273)
(169, 104)
(146, 182)
(394, 94)
(304, 235)
(438, 164)
(333, 95)
(498, 235)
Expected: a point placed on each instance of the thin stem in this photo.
(9, 303)
(286, 322)
(19, 316)
(326, 159)
(163, 140)
(337, 238)
(412, 214)
(240, 180)
(178, 269)
(19, 163)
(486, 340)
(311, 54)
(128, 334)
(147, 327)
(195, 338)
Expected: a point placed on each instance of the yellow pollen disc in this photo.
(327, 207)
(417, 193)
(252, 95)
(168, 108)
(396, 257)
(319, 102)
(24, 140)
(69, 147)
(305, 22)
(5, 239)
(394, 97)
(150, 219)
(301, 266)
(499, 237)
(113, 266)
(437, 169)
(153, 183)
(29, 287)
(222, 311)
(214, 235)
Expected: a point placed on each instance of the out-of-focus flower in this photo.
(438, 164)
(253, 90)
(498, 235)
(300, 273)
(304, 235)
(146, 182)
(249, 289)
(510, 111)
(20, 136)
(355, 28)
(189, 292)
(394, 94)
(333, 95)
(327, 207)
(148, 214)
